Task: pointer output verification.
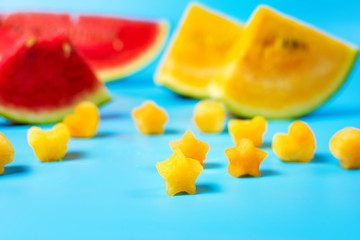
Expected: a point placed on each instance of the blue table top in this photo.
(108, 187)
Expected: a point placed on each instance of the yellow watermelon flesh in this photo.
(197, 51)
(281, 68)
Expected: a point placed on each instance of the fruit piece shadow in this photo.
(266, 144)
(212, 165)
(19, 169)
(269, 173)
(74, 156)
(264, 173)
(207, 188)
(320, 158)
(110, 116)
(105, 134)
(232, 115)
(203, 189)
(171, 131)
(10, 124)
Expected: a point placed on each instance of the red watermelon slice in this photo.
(117, 47)
(43, 78)
(114, 47)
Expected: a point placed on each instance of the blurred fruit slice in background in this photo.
(118, 47)
(197, 51)
(43, 78)
(114, 47)
(37, 24)
(282, 68)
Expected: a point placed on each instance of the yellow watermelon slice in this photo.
(282, 68)
(197, 51)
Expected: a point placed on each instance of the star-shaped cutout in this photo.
(83, 123)
(191, 147)
(180, 173)
(149, 118)
(252, 129)
(245, 159)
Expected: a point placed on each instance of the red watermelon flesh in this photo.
(100, 38)
(114, 47)
(9, 42)
(38, 24)
(43, 78)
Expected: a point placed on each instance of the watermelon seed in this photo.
(67, 49)
(30, 42)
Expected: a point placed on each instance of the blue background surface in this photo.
(108, 186)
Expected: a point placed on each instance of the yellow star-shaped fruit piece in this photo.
(149, 118)
(180, 173)
(252, 129)
(297, 146)
(191, 147)
(245, 159)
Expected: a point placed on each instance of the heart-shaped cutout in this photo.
(296, 146)
(49, 145)
(252, 129)
(83, 123)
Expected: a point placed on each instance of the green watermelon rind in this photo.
(181, 89)
(98, 96)
(304, 109)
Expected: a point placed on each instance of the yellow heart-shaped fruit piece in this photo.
(83, 123)
(297, 146)
(49, 145)
(252, 129)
